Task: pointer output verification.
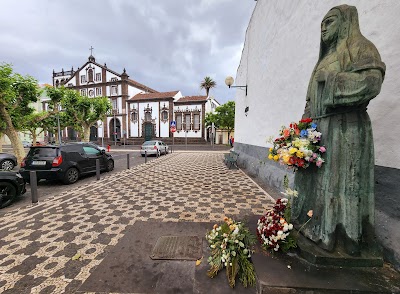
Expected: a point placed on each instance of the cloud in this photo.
(167, 45)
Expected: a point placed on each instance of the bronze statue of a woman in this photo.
(348, 74)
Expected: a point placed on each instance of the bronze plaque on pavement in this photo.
(178, 247)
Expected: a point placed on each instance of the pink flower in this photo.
(315, 155)
(322, 149)
(319, 162)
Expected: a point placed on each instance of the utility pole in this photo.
(115, 128)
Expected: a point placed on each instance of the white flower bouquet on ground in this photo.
(231, 247)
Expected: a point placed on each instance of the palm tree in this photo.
(207, 84)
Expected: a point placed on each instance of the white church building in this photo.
(138, 112)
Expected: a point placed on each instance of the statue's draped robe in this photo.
(341, 192)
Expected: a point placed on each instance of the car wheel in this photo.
(7, 193)
(110, 165)
(71, 176)
(7, 164)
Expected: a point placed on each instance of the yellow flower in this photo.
(286, 158)
(232, 227)
(270, 149)
(276, 157)
(215, 226)
(293, 150)
(270, 156)
(299, 154)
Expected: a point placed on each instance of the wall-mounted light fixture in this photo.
(229, 82)
(246, 110)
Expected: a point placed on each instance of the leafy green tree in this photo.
(16, 94)
(40, 120)
(207, 84)
(33, 122)
(225, 117)
(210, 119)
(83, 112)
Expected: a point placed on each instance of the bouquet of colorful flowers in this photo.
(231, 247)
(298, 145)
(273, 228)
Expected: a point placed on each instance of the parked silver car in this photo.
(154, 147)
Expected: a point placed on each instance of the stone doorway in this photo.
(115, 134)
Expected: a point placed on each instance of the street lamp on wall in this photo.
(229, 82)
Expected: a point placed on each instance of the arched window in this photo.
(90, 75)
(134, 115)
(164, 114)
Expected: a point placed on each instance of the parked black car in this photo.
(64, 162)
(12, 185)
(7, 161)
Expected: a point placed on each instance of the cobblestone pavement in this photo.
(38, 242)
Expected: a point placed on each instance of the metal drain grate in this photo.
(178, 247)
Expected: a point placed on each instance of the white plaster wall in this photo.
(281, 48)
(208, 107)
(110, 75)
(133, 126)
(164, 126)
(132, 91)
(178, 96)
(72, 81)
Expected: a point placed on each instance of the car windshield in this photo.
(149, 143)
(43, 152)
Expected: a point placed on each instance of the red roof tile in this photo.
(149, 96)
(192, 99)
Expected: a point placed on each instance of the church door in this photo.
(115, 133)
(148, 131)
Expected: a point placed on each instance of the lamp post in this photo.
(58, 124)
(212, 124)
(115, 127)
(59, 130)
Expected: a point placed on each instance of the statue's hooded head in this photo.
(340, 28)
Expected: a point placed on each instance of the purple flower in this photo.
(303, 133)
(314, 125)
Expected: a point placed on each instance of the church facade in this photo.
(139, 113)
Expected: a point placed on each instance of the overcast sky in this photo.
(165, 44)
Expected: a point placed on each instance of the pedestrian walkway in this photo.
(38, 242)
